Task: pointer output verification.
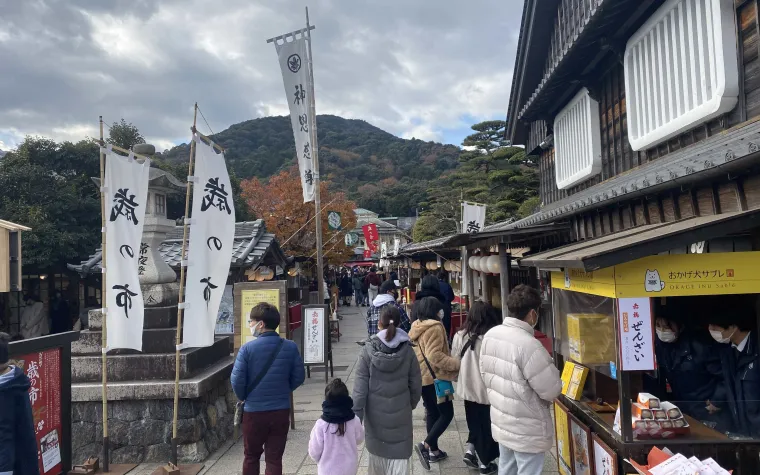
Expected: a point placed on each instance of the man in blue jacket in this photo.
(18, 445)
(266, 371)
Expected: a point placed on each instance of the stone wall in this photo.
(141, 431)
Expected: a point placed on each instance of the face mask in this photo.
(667, 336)
(718, 336)
(255, 330)
(440, 314)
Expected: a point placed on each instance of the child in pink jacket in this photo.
(335, 438)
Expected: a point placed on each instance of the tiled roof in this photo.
(433, 244)
(251, 244)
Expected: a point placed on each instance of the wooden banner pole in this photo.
(315, 157)
(180, 306)
(103, 301)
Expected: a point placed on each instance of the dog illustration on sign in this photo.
(652, 281)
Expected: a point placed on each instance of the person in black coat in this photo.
(18, 444)
(740, 358)
(430, 287)
(690, 367)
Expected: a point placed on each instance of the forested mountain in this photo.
(378, 170)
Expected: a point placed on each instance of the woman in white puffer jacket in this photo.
(522, 382)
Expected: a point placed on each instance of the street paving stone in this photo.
(228, 460)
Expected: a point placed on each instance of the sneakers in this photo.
(424, 455)
(490, 469)
(471, 460)
(441, 455)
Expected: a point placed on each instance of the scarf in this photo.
(338, 410)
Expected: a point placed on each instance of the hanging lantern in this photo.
(447, 266)
(265, 273)
(493, 264)
(483, 264)
(473, 262)
(415, 265)
(292, 272)
(456, 266)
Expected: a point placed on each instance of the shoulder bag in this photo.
(240, 404)
(444, 390)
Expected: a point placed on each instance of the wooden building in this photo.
(644, 117)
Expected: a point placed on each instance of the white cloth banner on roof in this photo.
(473, 217)
(396, 246)
(125, 191)
(212, 234)
(295, 75)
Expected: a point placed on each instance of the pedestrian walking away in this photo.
(266, 371)
(335, 438)
(431, 287)
(388, 296)
(18, 445)
(373, 282)
(522, 382)
(388, 387)
(482, 450)
(358, 290)
(438, 369)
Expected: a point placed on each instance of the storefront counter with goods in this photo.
(661, 351)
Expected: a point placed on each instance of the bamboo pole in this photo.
(315, 157)
(183, 265)
(124, 150)
(103, 301)
(208, 139)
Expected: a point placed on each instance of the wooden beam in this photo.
(504, 284)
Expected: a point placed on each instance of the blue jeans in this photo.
(519, 463)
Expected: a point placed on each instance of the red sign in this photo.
(371, 236)
(367, 254)
(44, 371)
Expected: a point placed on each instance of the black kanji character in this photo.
(300, 94)
(216, 196)
(125, 205)
(208, 289)
(473, 227)
(303, 120)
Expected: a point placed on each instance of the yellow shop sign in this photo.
(598, 282)
(672, 275)
(676, 275)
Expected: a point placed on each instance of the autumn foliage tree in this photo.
(279, 202)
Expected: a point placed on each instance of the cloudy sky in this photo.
(416, 68)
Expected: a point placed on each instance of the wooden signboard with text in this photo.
(249, 294)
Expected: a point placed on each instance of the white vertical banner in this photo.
(396, 246)
(212, 233)
(294, 65)
(125, 192)
(636, 334)
(383, 250)
(473, 217)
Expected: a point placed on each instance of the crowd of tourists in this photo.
(505, 377)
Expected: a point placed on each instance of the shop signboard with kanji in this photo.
(636, 334)
(315, 334)
(43, 369)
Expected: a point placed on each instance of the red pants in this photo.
(265, 432)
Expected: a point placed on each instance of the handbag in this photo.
(444, 390)
(241, 404)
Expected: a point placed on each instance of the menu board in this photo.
(314, 341)
(44, 372)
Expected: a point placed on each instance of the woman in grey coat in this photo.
(388, 387)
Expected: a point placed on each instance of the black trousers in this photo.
(479, 424)
(438, 416)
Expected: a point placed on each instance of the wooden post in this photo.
(103, 301)
(484, 281)
(471, 297)
(180, 306)
(504, 268)
(315, 157)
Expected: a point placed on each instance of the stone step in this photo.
(147, 367)
(155, 317)
(157, 340)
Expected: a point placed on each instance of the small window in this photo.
(160, 208)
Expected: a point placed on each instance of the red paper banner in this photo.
(367, 254)
(371, 236)
(44, 371)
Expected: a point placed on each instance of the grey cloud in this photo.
(405, 66)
